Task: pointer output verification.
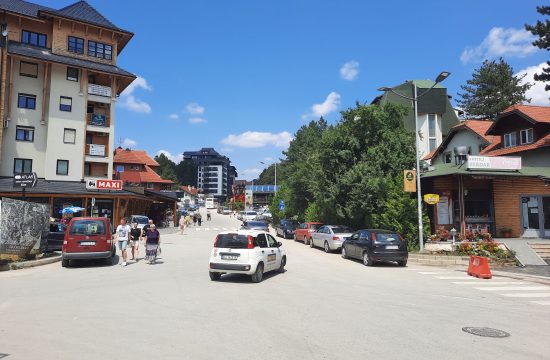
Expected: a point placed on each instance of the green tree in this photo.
(267, 176)
(167, 168)
(542, 30)
(492, 89)
(187, 172)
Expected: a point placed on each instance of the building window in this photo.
(26, 101)
(28, 69)
(72, 74)
(99, 50)
(75, 45)
(526, 136)
(24, 133)
(447, 157)
(432, 124)
(510, 139)
(62, 167)
(22, 165)
(69, 136)
(149, 185)
(32, 38)
(65, 103)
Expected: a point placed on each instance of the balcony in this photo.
(103, 121)
(97, 150)
(99, 90)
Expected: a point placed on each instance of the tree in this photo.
(492, 89)
(542, 30)
(167, 168)
(187, 171)
(267, 176)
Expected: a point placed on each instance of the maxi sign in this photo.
(494, 163)
(103, 184)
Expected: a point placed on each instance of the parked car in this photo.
(249, 252)
(255, 225)
(304, 231)
(330, 237)
(285, 228)
(141, 220)
(266, 215)
(240, 215)
(226, 211)
(55, 238)
(249, 215)
(372, 245)
(88, 238)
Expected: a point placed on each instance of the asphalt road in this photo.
(322, 307)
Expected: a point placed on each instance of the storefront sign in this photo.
(494, 163)
(97, 150)
(409, 180)
(25, 180)
(103, 184)
(431, 199)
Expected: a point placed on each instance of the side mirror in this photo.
(279, 244)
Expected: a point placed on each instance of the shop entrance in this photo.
(535, 216)
(101, 208)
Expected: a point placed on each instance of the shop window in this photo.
(72, 74)
(24, 133)
(62, 167)
(22, 165)
(65, 103)
(69, 136)
(26, 101)
(526, 136)
(28, 69)
(510, 139)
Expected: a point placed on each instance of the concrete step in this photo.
(542, 250)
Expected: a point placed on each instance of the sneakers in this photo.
(123, 264)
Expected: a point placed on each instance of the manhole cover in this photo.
(486, 332)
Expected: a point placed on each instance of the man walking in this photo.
(135, 236)
(122, 236)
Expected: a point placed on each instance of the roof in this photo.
(22, 7)
(126, 156)
(452, 169)
(190, 190)
(535, 113)
(540, 143)
(34, 52)
(141, 177)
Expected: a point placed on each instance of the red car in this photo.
(88, 238)
(303, 232)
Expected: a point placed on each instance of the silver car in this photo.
(330, 237)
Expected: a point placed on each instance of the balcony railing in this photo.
(98, 120)
(100, 90)
(98, 150)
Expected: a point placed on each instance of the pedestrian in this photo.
(65, 219)
(122, 234)
(208, 215)
(135, 236)
(152, 244)
(188, 219)
(199, 219)
(182, 224)
(195, 218)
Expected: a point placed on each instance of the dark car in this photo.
(88, 238)
(255, 225)
(373, 245)
(286, 228)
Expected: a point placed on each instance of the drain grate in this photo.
(485, 332)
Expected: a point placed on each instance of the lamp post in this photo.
(442, 76)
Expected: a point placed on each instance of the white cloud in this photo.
(536, 93)
(255, 139)
(249, 174)
(350, 70)
(177, 158)
(501, 42)
(197, 120)
(130, 102)
(173, 116)
(328, 106)
(128, 143)
(194, 109)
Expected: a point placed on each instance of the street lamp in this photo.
(275, 164)
(442, 76)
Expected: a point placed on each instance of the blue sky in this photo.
(243, 76)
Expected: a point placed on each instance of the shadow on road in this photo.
(77, 264)
(245, 279)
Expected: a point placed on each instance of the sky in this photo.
(243, 76)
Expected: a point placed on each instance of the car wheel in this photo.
(65, 262)
(282, 267)
(109, 261)
(402, 263)
(259, 274)
(214, 276)
(344, 255)
(326, 247)
(306, 240)
(367, 259)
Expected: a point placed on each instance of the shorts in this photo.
(122, 244)
(134, 243)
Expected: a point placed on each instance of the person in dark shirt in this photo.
(145, 228)
(135, 235)
(152, 243)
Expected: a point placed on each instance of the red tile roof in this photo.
(193, 191)
(123, 156)
(536, 113)
(542, 142)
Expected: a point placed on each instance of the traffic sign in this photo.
(281, 205)
(409, 180)
(103, 184)
(25, 180)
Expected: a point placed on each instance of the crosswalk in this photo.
(533, 293)
(210, 229)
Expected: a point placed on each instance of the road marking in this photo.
(430, 273)
(526, 295)
(216, 229)
(514, 288)
(489, 283)
(224, 228)
(457, 277)
(197, 229)
(546, 303)
(207, 229)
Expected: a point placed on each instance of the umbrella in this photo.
(71, 209)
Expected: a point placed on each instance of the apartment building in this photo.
(215, 175)
(59, 86)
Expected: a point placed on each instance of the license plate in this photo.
(229, 257)
(87, 243)
(392, 247)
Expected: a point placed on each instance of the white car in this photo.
(240, 215)
(249, 215)
(249, 252)
(141, 220)
(330, 237)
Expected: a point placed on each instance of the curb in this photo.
(33, 263)
(545, 280)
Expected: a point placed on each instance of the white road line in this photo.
(197, 229)
(545, 303)
(431, 273)
(207, 229)
(527, 295)
(216, 229)
(515, 288)
(457, 277)
(224, 228)
(489, 283)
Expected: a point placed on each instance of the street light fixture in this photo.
(442, 76)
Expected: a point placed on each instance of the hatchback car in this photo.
(372, 245)
(255, 225)
(285, 228)
(330, 237)
(249, 215)
(141, 220)
(304, 231)
(249, 252)
(88, 238)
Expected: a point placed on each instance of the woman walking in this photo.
(182, 224)
(152, 244)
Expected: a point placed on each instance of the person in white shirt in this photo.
(122, 236)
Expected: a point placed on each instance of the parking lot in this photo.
(322, 307)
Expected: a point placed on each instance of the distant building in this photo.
(135, 167)
(216, 175)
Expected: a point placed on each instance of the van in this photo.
(88, 238)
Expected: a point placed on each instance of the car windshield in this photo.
(341, 230)
(314, 226)
(387, 237)
(233, 241)
(141, 219)
(87, 227)
(256, 224)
